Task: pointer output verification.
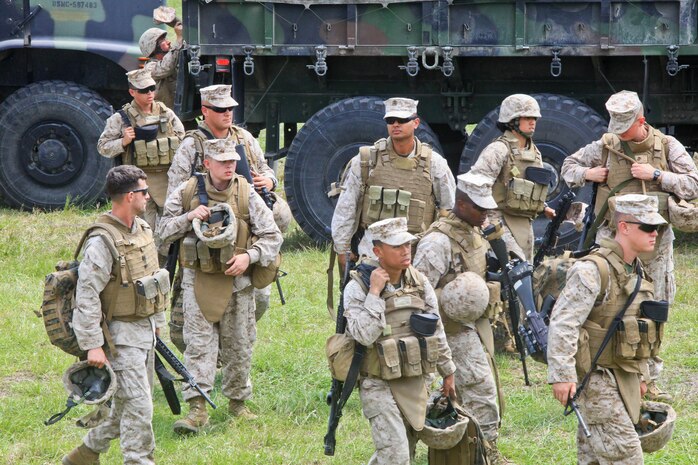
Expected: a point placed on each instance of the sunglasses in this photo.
(147, 90)
(218, 110)
(144, 190)
(392, 120)
(648, 228)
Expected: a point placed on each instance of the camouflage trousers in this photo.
(395, 440)
(613, 438)
(131, 414)
(475, 384)
(234, 335)
(261, 301)
(661, 270)
(152, 216)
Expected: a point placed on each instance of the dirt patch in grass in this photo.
(7, 382)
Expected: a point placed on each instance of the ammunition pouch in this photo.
(400, 357)
(155, 152)
(525, 198)
(195, 254)
(152, 294)
(387, 203)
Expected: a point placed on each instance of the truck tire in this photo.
(321, 150)
(566, 125)
(48, 145)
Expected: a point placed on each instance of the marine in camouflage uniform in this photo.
(219, 125)
(451, 246)
(100, 292)
(597, 288)
(153, 156)
(663, 166)
(401, 177)
(163, 56)
(394, 402)
(217, 291)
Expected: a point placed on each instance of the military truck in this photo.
(62, 65)
(329, 64)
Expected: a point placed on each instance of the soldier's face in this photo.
(639, 240)
(527, 124)
(637, 132)
(139, 197)
(394, 257)
(217, 121)
(469, 212)
(400, 130)
(221, 171)
(142, 100)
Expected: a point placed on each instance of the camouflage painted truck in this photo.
(330, 63)
(62, 65)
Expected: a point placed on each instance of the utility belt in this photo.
(156, 152)
(195, 254)
(637, 338)
(525, 198)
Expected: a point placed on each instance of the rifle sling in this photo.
(591, 234)
(352, 375)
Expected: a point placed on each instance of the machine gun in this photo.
(341, 390)
(552, 230)
(493, 234)
(181, 370)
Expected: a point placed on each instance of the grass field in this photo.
(289, 372)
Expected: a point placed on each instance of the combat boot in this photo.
(195, 420)
(494, 456)
(655, 393)
(81, 455)
(237, 408)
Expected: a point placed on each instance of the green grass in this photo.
(289, 372)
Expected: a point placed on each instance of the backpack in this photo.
(59, 293)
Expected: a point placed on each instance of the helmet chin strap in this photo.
(514, 126)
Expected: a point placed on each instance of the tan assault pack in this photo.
(59, 293)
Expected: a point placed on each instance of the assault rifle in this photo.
(588, 236)
(181, 370)
(341, 390)
(552, 233)
(493, 234)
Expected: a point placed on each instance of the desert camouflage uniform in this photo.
(181, 170)
(393, 436)
(236, 332)
(680, 179)
(613, 437)
(164, 72)
(109, 145)
(475, 383)
(345, 221)
(130, 417)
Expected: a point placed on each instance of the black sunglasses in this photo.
(144, 190)
(648, 228)
(393, 119)
(218, 109)
(147, 90)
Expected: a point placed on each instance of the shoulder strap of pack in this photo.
(612, 141)
(199, 135)
(188, 192)
(243, 193)
(368, 158)
(414, 278)
(425, 155)
(604, 270)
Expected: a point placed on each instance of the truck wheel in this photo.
(566, 125)
(48, 145)
(321, 150)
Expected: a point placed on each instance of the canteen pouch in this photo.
(429, 347)
(164, 151)
(403, 204)
(389, 201)
(374, 206)
(141, 152)
(339, 350)
(648, 337)
(389, 359)
(205, 260)
(416, 213)
(152, 153)
(656, 310)
(411, 356)
(188, 252)
(627, 338)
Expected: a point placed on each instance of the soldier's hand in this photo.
(96, 357)
(262, 181)
(597, 174)
(642, 171)
(549, 213)
(448, 389)
(178, 28)
(563, 392)
(643, 389)
(129, 135)
(238, 264)
(379, 278)
(201, 212)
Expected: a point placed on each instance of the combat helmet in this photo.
(149, 40)
(220, 229)
(518, 106)
(445, 424)
(683, 214)
(656, 425)
(465, 298)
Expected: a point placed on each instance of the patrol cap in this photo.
(400, 107)
(479, 188)
(218, 96)
(164, 15)
(624, 108)
(220, 149)
(643, 208)
(140, 79)
(392, 231)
